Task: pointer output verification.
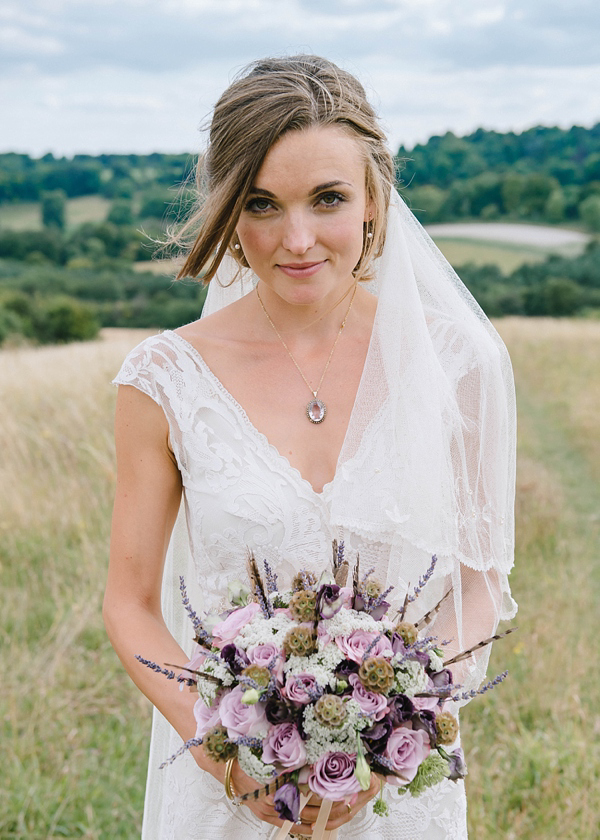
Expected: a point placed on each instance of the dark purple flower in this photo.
(398, 645)
(401, 709)
(442, 679)
(329, 600)
(234, 657)
(287, 802)
(456, 762)
(345, 668)
(380, 610)
(425, 720)
(418, 656)
(277, 710)
(375, 739)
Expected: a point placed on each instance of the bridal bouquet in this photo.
(320, 685)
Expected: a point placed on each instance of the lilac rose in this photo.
(226, 631)
(356, 644)
(207, 717)
(265, 655)
(300, 688)
(333, 777)
(372, 704)
(426, 702)
(284, 745)
(406, 750)
(238, 717)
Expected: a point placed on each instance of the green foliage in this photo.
(53, 209)
(121, 213)
(589, 211)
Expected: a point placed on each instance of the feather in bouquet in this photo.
(318, 687)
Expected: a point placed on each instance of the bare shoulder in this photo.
(223, 327)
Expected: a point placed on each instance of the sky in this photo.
(92, 76)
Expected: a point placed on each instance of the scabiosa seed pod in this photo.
(407, 631)
(303, 605)
(216, 746)
(303, 580)
(299, 641)
(372, 588)
(447, 728)
(376, 674)
(257, 673)
(330, 710)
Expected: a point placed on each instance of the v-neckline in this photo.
(261, 435)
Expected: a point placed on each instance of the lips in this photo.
(301, 269)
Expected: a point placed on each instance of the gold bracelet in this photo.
(229, 790)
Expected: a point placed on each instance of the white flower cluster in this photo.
(436, 662)
(263, 631)
(321, 665)
(347, 621)
(254, 767)
(206, 688)
(323, 739)
(410, 677)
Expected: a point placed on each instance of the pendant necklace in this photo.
(316, 408)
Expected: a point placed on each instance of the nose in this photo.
(298, 233)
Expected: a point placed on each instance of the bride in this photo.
(342, 383)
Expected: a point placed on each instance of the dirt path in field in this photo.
(538, 235)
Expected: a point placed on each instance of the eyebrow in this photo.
(320, 188)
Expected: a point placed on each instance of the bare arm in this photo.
(147, 500)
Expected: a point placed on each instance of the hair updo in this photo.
(268, 99)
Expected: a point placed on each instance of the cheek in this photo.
(256, 242)
(347, 239)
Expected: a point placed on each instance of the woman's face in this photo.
(301, 229)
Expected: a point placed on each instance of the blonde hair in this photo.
(268, 99)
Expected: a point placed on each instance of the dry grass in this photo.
(74, 730)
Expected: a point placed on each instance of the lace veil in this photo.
(435, 414)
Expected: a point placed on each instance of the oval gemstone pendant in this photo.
(316, 411)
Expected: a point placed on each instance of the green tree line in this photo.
(542, 174)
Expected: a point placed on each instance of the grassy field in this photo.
(507, 257)
(27, 215)
(74, 730)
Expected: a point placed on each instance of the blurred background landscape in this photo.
(493, 114)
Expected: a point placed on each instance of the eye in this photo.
(331, 199)
(258, 205)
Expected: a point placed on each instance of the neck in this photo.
(316, 319)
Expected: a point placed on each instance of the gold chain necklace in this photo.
(316, 408)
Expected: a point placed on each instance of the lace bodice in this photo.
(241, 493)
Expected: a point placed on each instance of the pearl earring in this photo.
(237, 246)
(369, 235)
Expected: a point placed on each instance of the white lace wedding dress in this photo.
(427, 467)
(241, 492)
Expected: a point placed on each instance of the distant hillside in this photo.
(543, 173)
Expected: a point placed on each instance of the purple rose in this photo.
(375, 739)
(287, 802)
(356, 644)
(300, 688)
(401, 709)
(330, 600)
(207, 717)
(456, 762)
(371, 703)
(284, 745)
(226, 631)
(406, 750)
(277, 710)
(239, 718)
(332, 776)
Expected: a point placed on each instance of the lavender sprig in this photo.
(423, 580)
(271, 577)
(370, 647)
(193, 742)
(246, 741)
(380, 598)
(468, 695)
(201, 635)
(169, 674)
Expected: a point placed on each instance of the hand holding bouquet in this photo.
(316, 688)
